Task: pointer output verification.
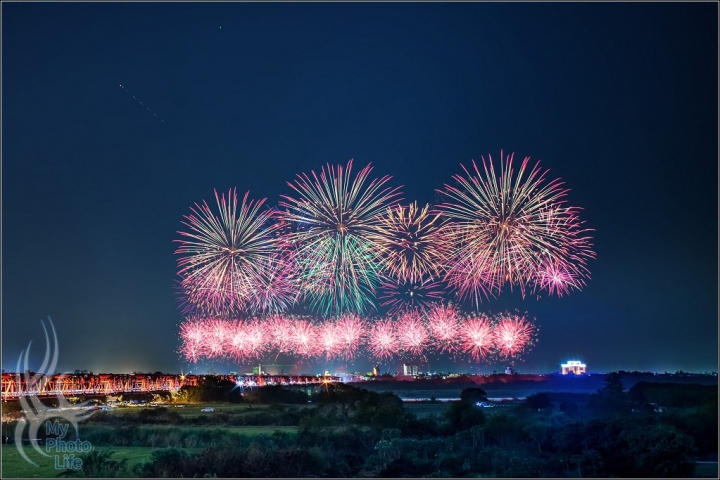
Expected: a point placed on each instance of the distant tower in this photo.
(376, 370)
(574, 366)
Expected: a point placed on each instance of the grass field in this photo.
(14, 466)
(241, 430)
(427, 409)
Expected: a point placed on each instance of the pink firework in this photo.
(557, 278)
(251, 337)
(410, 243)
(304, 339)
(279, 330)
(192, 335)
(512, 219)
(413, 337)
(350, 330)
(410, 295)
(217, 337)
(382, 341)
(513, 333)
(329, 339)
(471, 277)
(276, 288)
(477, 337)
(444, 325)
(221, 255)
(238, 339)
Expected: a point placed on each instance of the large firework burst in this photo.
(335, 219)
(411, 245)
(512, 223)
(221, 256)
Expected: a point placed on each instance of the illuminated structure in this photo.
(410, 369)
(574, 366)
(16, 385)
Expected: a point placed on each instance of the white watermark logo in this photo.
(37, 415)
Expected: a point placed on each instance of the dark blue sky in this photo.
(619, 100)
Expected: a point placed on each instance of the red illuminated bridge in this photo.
(16, 385)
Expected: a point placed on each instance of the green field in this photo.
(14, 466)
(427, 409)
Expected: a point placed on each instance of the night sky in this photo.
(619, 100)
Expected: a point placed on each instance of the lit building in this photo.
(574, 366)
(376, 370)
(410, 369)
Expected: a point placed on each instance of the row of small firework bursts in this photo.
(441, 329)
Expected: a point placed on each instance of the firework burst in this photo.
(410, 243)
(276, 287)
(382, 340)
(512, 222)
(220, 255)
(444, 325)
(336, 235)
(413, 337)
(513, 334)
(350, 330)
(477, 337)
(192, 336)
(304, 338)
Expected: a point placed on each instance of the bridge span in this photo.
(30, 384)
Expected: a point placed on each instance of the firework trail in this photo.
(512, 223)
(336, 235)
(222, 256)
(148, 109)
(342, 238)
(216, 341)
